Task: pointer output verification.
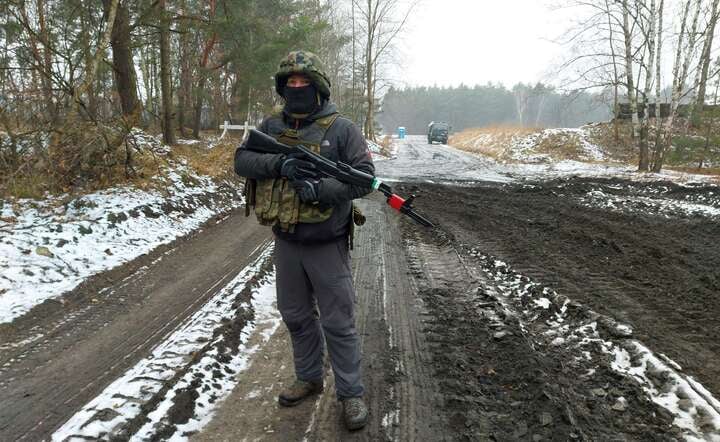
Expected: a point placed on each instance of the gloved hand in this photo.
(295, 168)
(307, 190)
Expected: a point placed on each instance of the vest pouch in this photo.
(276, 199)
(264, 192)
(249, 194)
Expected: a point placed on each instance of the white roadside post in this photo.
(227, 126)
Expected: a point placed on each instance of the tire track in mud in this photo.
(659, 274)
(62, 354)
(177, 386)
(501, 377)
(400, 390)
(612, 375)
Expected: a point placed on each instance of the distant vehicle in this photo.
(438, 131)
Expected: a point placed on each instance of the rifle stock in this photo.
(261, 142)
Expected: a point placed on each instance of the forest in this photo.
(77, 75)
(492, 104)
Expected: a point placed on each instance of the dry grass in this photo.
(712, 171)
(560, 146)
(215, 162)
(493, 141)
(31, 186)
(620, 147)
(386, 144)
(36, 181)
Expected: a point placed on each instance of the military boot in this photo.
(298, 391)
(355, 413)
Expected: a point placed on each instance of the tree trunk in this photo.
(630, 81)
(91, 69)
(167, 109)
(645, 123)
(616, 76)
(41, 63)
(200, 89)
(705, 58)
(147, 82)
(658, 78)
(680, 70)
(199, 98)
(47, 65)
(123, 65)
(185, 74)
(369, 70)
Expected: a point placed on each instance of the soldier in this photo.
(311, 219)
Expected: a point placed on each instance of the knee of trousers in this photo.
(299, 325)
(338, 325)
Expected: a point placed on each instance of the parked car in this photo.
(438, 131)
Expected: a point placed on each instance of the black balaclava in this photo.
(301, 100)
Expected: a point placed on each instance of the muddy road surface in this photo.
(565, 309)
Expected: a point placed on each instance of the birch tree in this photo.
(681, 65)
(629, 79)
(647, 26)
(705, 57)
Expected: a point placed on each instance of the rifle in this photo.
(263, 143)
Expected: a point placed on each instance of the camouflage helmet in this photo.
(302, 62)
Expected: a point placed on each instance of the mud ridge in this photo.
(498, 381)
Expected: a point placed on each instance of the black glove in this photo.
(307, 190)
(295, 168)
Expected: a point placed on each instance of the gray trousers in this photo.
(319, 275)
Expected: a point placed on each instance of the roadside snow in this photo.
(696, 411)
(121, 401)
(49, 247)
(568, 168)
(694, 408)
(642, 204)
(527, 163)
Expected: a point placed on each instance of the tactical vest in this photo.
(275, 200)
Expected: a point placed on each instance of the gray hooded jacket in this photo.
(346, 144)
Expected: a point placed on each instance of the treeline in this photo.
(77, 75)
(491, 104)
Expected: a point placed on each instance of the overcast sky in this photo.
(449, 42)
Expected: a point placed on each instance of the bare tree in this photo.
(629, 79)
(381, 29)
(647, 26)
(203, 74)
(123, 64)
(658, 76)
(705, 57)
(683, 56)
(596, 45)
(167, 107)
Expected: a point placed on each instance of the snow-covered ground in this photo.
(49, 247)
(696, 411)
(415, 160)
(657, 205)
(110, 412)
(525, 162)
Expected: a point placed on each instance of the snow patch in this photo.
(105, 415)
(696, 411)
(48, 247)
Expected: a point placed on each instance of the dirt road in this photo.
(568, 309)
(64, 352)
